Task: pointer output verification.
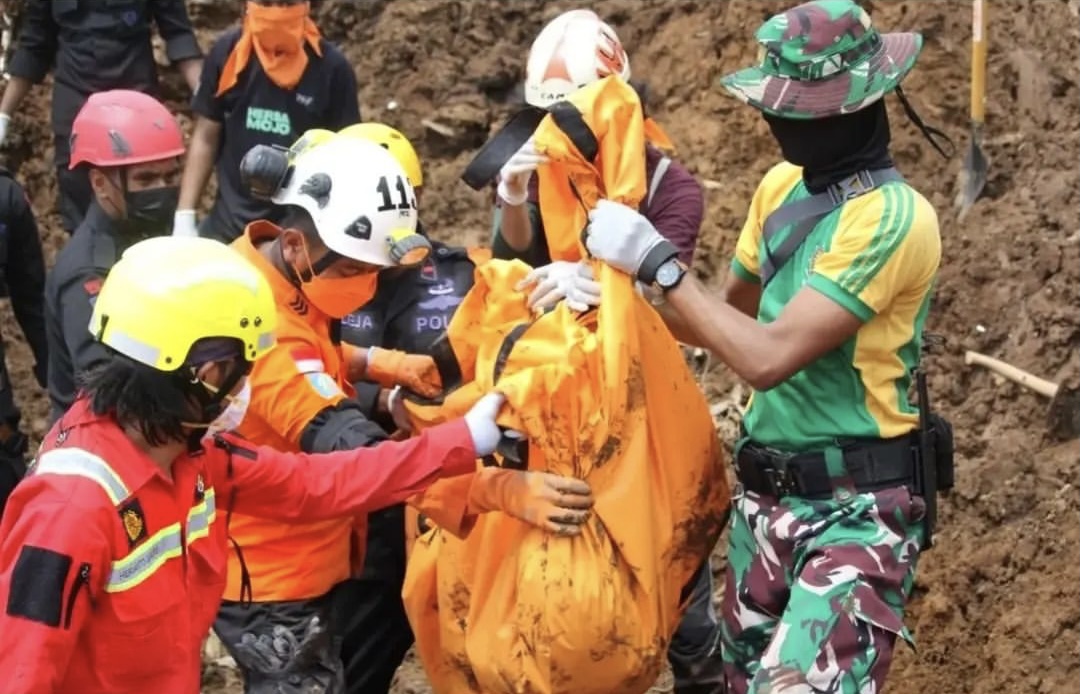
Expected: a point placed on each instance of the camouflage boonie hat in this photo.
(823, 58)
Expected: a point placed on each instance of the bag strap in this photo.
(805, 214)
(572, 123)
(485, 166)
(658, 175)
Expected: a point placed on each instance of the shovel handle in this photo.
(1039, 385)
(978, 61)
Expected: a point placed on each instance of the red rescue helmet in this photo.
(122, 127)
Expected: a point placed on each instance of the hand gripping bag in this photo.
(595, 142)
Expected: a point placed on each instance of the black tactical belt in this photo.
(871, 466)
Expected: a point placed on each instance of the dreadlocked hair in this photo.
(153, 402)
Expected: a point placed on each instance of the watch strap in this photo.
(657, 256)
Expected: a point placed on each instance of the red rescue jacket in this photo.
(111, 573)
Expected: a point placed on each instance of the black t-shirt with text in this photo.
(256, 111)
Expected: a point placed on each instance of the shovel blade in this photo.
(972, 176)
(1063, 416)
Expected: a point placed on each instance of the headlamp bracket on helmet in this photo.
(265, 170)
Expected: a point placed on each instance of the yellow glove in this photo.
(556, 504)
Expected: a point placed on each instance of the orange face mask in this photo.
(278, 33)
(337, 297)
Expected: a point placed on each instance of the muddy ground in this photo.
(997, 602)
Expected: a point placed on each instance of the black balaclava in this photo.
(834, 148)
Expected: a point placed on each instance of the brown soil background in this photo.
(997, 605)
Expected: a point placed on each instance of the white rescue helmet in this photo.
(572, 51)
(360, 200)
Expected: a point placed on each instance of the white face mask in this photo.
(233, 414)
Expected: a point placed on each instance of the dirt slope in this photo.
(998, 601)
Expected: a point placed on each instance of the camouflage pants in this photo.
(815, 591)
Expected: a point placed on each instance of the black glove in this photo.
(279, 652)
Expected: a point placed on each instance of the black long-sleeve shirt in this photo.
(97, 45)
(70, 292)
(22, 267)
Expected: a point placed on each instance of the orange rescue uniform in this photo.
(304, 374)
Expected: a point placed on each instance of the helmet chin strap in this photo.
(316, 268)
(210, 402)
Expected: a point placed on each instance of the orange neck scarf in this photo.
(277, 35)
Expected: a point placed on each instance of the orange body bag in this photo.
(604, 396)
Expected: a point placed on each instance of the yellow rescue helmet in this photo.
(393, 141)
(167, 293)
(310, 138)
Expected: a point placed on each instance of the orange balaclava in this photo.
(277, 34)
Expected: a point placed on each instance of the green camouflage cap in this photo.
(823, 58)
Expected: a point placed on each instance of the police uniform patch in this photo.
(428, 271)
(323, 384)
(131, 515)
(92, 286)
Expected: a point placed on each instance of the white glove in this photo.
(515, 174)
(395, 404)
(481, 422)
(561, 279)
(184, 223)
(4, 120)
(620, 236)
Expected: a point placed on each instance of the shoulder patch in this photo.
(37, 585)
(131, 515)
(92, 286)
(323, 384)
(307, 359)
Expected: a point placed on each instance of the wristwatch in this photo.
(670, 274)
(659, 254)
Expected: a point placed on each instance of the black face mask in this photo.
(150, 212)
(832, 149)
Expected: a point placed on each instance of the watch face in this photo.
(668, 273)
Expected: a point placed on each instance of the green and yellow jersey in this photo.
(877, 256)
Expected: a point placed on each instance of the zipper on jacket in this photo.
(82, 580)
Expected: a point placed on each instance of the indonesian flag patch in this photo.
(308, 360)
